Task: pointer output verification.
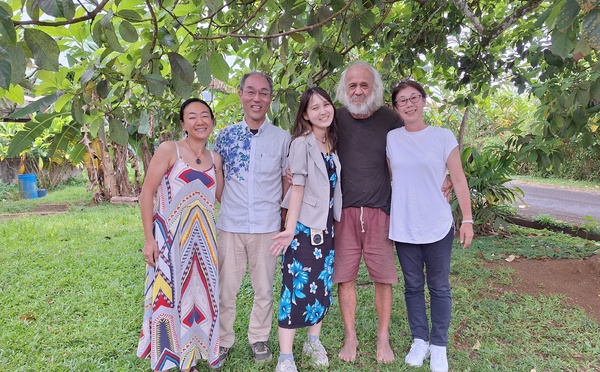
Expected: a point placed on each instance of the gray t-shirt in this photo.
(361, 149)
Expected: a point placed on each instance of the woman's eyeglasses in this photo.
(413, 99)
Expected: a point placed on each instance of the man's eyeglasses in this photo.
(413, 99)
(263, 94)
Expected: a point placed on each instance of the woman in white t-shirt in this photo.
(421, 222)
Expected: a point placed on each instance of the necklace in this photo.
(198, 161)
(321, 140)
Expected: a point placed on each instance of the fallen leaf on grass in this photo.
(510, 258)
(532, 370)
(26, 318)
(477, 345)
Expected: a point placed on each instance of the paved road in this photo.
(562, 204)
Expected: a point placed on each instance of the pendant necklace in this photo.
(324, 141)
(198, 161)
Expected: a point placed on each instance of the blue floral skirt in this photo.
(306, 280)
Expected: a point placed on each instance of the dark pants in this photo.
(435, 259)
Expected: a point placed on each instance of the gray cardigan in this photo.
(308, 169)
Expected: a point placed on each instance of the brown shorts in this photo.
(366, 236)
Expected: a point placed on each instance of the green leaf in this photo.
(18, 60)
(334, 59)
(583, 97)
(77, 153)
(97, 33)
(203, 71)
(156, 84)
(562, 43)
(355, 30)
(5, 68)
(77, 111)
(182, 75)
(130, 15)
(143, 124)
(551, 14)
(112, 40)
(61, 141)
(102, 88)
(39, 105)
(128, 32)
(62, 101)
(590, 28)
(117, 132)
(16, 94)
(298, 37)
(68, 9)
(33, 129)
(219, 67)
(552, 59)
(567, 15)
(580, 117)
(7, 28)
(50, 7)
(213, 5)
(45, 50)
(33, 9)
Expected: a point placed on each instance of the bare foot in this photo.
(384, 351)
(348, 352)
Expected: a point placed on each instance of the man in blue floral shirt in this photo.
(254, 156)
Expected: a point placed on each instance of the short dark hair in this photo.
(189, 101)
(405, 84)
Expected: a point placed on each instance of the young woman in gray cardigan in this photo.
(313, 201)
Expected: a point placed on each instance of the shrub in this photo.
(487, 173)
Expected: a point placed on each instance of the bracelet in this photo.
(467, 221)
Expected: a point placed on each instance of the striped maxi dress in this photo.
(181, 313)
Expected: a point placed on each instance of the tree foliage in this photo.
(118, 68)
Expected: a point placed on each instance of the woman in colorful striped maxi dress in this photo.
(181, 315)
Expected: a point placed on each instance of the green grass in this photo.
(559, 182)
(71, 294)
(73, 195)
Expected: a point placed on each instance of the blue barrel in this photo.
(28, 186)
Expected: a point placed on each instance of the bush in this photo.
(487, 173)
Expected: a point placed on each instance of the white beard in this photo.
(362, 109)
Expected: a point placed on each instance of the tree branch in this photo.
(510, 20)
(464, 7)
(90, 15)
(154, 26)
(324, 72)
(274, 36)
(260, 6)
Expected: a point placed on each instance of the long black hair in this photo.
(302, 126)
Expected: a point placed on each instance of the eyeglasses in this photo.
(263, 94)
(413, 99)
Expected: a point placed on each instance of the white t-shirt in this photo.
(420, 213)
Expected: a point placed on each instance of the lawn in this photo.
(71, 300)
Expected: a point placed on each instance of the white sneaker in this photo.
(317, 353)
(419, 351)
(286, 366)
(439, 360)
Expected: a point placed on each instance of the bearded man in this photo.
(363, 231)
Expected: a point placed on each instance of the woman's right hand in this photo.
(151, 252)
(282, 242)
